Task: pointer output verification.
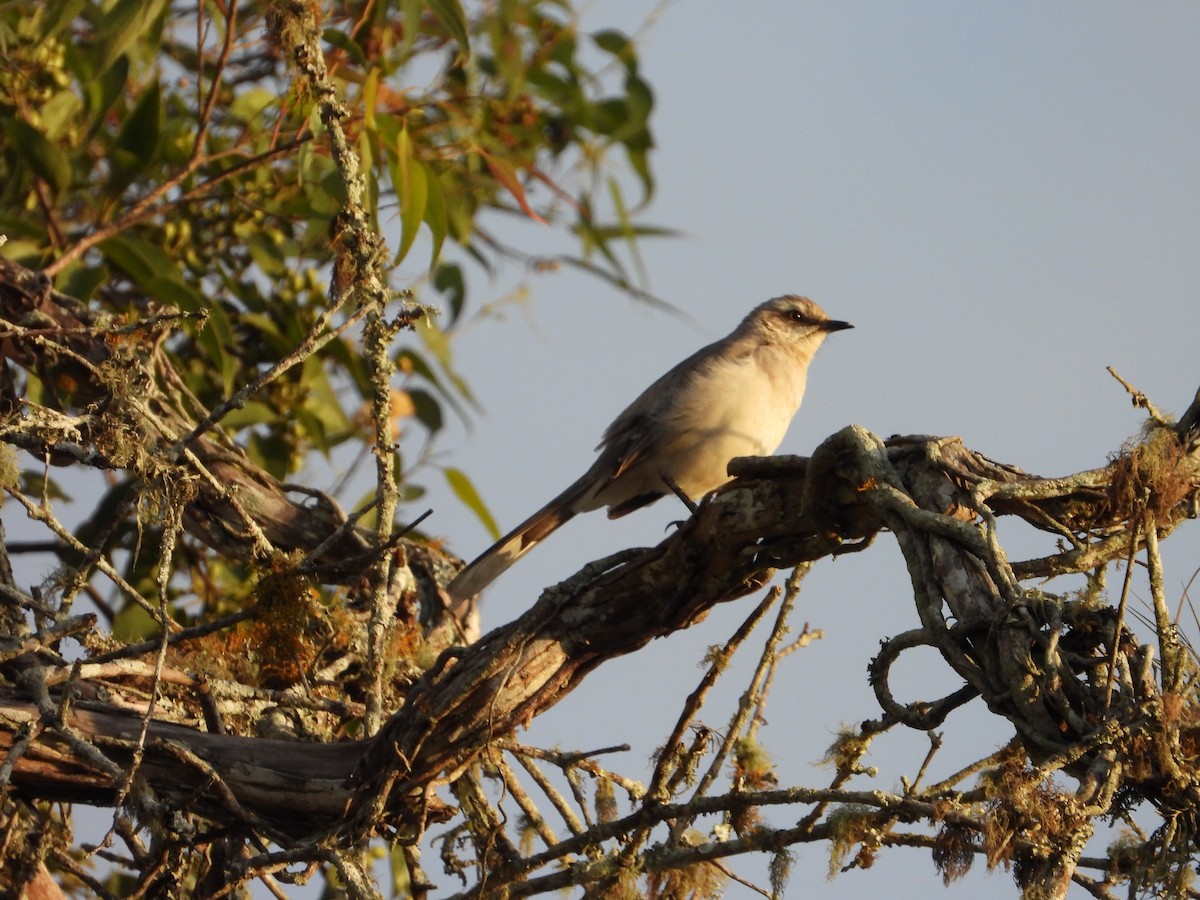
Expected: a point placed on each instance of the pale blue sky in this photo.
(1003, 197)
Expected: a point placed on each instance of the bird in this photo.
(735, 397)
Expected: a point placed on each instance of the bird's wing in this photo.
(637, 429)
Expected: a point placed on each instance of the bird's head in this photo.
(792, 320)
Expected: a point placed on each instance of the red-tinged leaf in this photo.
(502, 170)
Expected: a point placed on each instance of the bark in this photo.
(286, 783)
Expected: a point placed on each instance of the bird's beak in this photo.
(835, 325)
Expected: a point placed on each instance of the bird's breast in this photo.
(741, 410)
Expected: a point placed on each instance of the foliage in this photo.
(156, 156)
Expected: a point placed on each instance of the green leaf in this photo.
(450, 14)
(368, 519)
(81, 281)
(102, 92)
(366, 152)
(44, 157)
(563, 50)
(410, 178)
(636, 108)
(323, 186)
(138, 141)
(611, 114)
(140, 132)
(465, 491)
(60, 15)
(606, 232)
(252, 412)
(266, 254)
(594, 240)
(338, 38)
(439, 345)
(435, 214)
(37, 483)
(610, 40)
(139, 259)
(60, 115)
(552, 86)
(460, 212)
(269, 451)
(641, 99)
(639, 159)
(267, 331)
(321, 400)
(312, 428)
(401, 882)
(31, 254)
(315, 123)
(410, 17)
(249, 105)
(429, 411)
(627, 232)
(370, 95)
(121, 25)
(449, 280)
(133, 624)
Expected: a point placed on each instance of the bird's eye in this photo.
(798, 317)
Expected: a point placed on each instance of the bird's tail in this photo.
(506, 551)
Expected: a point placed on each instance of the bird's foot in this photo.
(678, 492)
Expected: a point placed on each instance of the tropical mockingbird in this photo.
(733, 398)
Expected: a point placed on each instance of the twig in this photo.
(171, 531)
(752, 697)
(557, 800)
(634, 789)
(44, 516)
(1139, 399)
(533, 815)
(733, 876)
(950, 783)
(695, 700)
(935, 744)
(1119, 625)
(1168, 637)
